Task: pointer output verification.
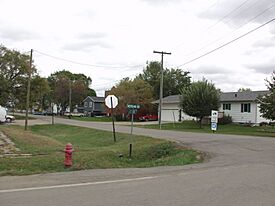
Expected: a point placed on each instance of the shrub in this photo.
(226, 119)
(160, 150)
(263, 124)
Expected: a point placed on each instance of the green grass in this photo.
(93, 149)
(94, 119)
(238, 129)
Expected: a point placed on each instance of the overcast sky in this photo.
(115, 39)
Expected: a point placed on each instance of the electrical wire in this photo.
(226, 44)
(85, 64)
(241, 26)
(219, 20)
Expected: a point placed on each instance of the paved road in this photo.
(241, 171)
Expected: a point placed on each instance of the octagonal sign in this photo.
(109, 99)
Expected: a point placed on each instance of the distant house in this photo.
(241, 106)
(94, 106)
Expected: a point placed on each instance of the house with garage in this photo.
(94, 106)
(241, 106)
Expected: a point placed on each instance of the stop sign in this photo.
(109, 99)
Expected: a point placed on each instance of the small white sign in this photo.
(54, 109)
(214, 116)
(214, 126)
(111, 99)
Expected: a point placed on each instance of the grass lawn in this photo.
(191, 126)
(93, 149)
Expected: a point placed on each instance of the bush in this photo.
(263, 124)
(226, 119)
(119, 117)
(160, 150)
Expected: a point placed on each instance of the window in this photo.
(245, 107)
(85, 104)
(90, 104)
(226, 106)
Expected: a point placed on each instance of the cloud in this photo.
(86, 45)
(209, 69)
(16, 34)
(236, 12)
(263, 68)
(272, 29)
(266, 43)
(94, 35)
(88, 41)
(157, 2)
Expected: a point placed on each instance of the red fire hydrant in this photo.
(68, 155)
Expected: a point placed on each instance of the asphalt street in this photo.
(239, 171)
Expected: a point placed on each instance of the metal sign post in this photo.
(132, 110)
(112, 111)
(111, 102)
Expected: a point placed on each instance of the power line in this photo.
(230, 42)
(218, 21)
(85, 64)
(214, 41)
(227, 15)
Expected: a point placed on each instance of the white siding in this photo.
(170, 112)
(242, 117)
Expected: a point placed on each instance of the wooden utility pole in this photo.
(28, 92)
(161, 84)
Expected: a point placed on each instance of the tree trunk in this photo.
(201, 122)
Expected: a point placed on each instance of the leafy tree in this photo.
(173, 80)
(267, 102)
(14, 67)
(39, 90)
(62, 81)
(244, 90)
(135, 91)
(198, 99)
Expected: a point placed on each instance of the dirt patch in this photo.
(7, 147)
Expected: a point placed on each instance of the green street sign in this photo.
(132, 111)
(133, 106)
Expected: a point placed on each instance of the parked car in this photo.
(148, 117)
(73, 114)
(10, 118)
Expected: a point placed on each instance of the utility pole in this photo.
(70, 98)
(161, 84)
(28, 92)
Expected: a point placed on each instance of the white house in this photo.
(241, 106)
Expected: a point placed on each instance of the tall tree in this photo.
(62, 82)
(198, 99)
(267, 102)
(135, 91)
(244, 90)
(173, 79)
(39, 90)
(14, 68)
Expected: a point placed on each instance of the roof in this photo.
(95, 99)
(241, 96)
(224, 97)
(169, 99)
